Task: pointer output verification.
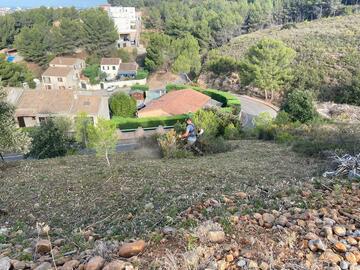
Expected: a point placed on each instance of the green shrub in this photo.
(223, 65)
(207, 120)
(350, 94)
(284, 137)
(147, 122)
(141, 87)
(180, 127)
(282, 118)
(123, 105)
(94, 73)
(300, 106)
(50, 139)
(214, 145)
(264, 127)
(172, 86)
(125, 55)
(231, 132)
(316, 140)
(142, 74)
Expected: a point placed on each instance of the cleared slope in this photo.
(77, 191)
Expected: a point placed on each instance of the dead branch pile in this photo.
(346, 165)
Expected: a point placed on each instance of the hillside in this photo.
(327, 52)
(226, 211)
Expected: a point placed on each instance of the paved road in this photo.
(252, 107)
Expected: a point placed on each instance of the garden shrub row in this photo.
(147, 122)
(230, 105)
(141, 87)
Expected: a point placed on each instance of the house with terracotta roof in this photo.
(176, 103)
(111, 67)
(63, 73)
(33, 107)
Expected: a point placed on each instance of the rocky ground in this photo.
(323, 234)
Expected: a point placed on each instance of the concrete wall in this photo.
(115, 83)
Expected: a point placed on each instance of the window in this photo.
(48, 87)
(114, 67)
(60, 79)
(108, 68)
(103, 67)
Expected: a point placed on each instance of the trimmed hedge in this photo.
(147, 122)
(226, 98)
(231, 104)
(173, 86)
(141, 87)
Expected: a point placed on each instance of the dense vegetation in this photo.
(214, 22)
(12, 138)
(326, 62)
(13, 74)
(123, 105)
(41, 33)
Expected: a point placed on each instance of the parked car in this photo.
(111, 88)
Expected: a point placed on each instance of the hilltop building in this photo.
(128, 24)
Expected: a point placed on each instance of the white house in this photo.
(111, 67)
(128, 24)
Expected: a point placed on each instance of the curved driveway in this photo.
(251, 107)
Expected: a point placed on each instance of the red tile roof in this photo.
(176, 102)
(110, 61)
(67, 61)
(65, 102)
(58, 71)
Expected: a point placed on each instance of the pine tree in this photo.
(267, 65)
(99, 30)
(12, 139)
(68, 37)
(34, 43)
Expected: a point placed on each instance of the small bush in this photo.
(142, 74)
(141, 87)
(170, 148)
(300, 106)
(264, 127)
(282, 119)
(207, 120)
(316, 140)
(180, 127)
(231, 132)
(214, 145)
